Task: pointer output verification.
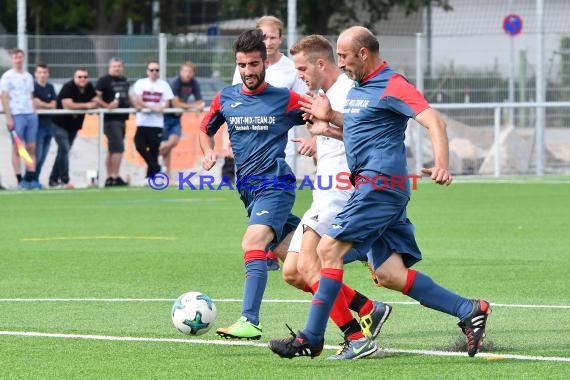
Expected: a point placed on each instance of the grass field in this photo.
(88, 277)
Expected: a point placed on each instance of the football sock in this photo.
(321, 305)
(423, 289)
(255, 282)
(271, 255)
(357, 301)
(352, 330)
(19, 178)
(341, 315)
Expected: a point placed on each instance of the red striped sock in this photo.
(271, 255)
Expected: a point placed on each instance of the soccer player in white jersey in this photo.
(314, 61)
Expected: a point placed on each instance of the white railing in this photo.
(417, 150)
(101, 112)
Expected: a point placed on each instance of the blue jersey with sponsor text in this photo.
(258, 122)
(375, 115)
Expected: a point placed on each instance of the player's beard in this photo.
(350, 74)
(256, 85)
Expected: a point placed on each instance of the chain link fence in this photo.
(465, 59)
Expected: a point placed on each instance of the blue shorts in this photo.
(171, 127)
(376, 221)
(354, 255)
(26, 127)
(271, 208)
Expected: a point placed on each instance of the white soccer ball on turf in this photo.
(193, 313)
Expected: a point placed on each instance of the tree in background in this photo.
(326, 16)
(75, 16)
(105, 17)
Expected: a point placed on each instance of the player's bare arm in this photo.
(70, 104)
(436, 127)
(207, 144)
(323, 128)
(319, 107)
(39, 104)
(7, 113)
(160, 107)
(138, 102)
(195, 105)
(111, 105)
(306, 147)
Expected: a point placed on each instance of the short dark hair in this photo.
(250, 41)
(41, 65)
(80, 68)
(115, 59)
(148, 63)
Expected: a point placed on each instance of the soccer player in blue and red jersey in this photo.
(374, 121)
(259, 117)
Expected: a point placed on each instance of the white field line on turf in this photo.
(520, 306)
(239, 343)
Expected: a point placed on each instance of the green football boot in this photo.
(242, 329)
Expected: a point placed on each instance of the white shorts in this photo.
(318, 221)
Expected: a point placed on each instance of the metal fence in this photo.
(447, 78)
(456, 75)
(495, 149)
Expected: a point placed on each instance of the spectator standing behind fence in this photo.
(17, 87)
(186, 91)
(77, 94)
(44, 99)
(113, 92)
(152, 96)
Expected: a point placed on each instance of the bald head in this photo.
(358, 52)
(360, 37)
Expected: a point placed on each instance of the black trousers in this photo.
(147, 142)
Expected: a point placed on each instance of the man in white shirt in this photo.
(152, 96)
(17, 88)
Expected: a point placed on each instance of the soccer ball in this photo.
(193, 313)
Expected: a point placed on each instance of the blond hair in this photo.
(314, 46)
(270, 21)
(189, 64)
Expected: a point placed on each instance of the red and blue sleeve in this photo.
(293, 107)
(214, 118)
(402, 97)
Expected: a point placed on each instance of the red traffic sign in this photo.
(512, 24)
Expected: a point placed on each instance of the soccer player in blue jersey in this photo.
(259, 117)
(374, 122)
(314, 60)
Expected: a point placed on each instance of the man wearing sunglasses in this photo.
(77, 94)
(152, 96)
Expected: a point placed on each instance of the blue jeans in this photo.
(26, 126)
(64, 139)
(43, 142)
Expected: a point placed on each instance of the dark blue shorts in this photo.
(376, 221)
(271, 208)
(171, 127)
(354, 255)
